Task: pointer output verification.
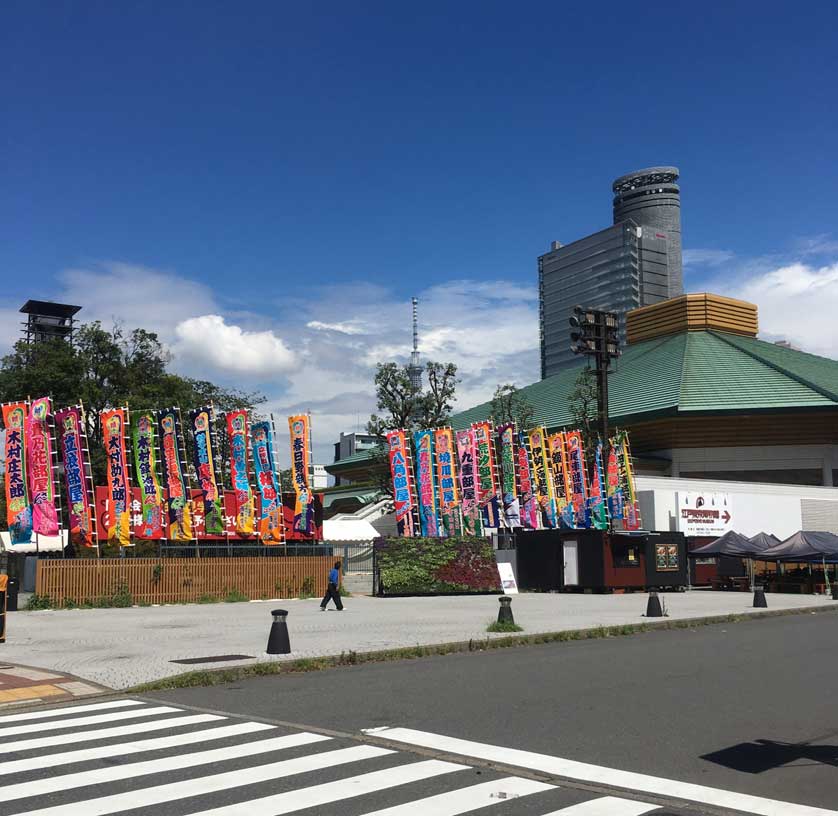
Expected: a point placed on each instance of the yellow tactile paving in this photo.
(29, 692)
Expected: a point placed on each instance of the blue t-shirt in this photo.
(333, 576)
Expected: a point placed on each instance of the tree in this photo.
(510, 405)
(108, 369)
(408, 406)
(584, 410)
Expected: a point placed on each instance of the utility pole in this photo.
(594, 333)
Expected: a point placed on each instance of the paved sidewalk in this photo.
(20, 685)
(119, 648)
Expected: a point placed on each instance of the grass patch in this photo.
(504, 626)
(235, 596)
(217, 677)
(36, 602)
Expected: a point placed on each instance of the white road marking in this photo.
(329, 792)
(126, 748)
(597, 774)
(92, 720)
(463, 800)
(105, 733)
(606, 806)
(67, 711)
(100, 776)
(147, 797)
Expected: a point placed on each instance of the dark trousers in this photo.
(333, 594)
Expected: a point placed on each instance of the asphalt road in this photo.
(745, 707)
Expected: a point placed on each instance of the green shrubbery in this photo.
(436, 565)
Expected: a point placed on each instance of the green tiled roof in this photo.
(351, 462)
(691, 372)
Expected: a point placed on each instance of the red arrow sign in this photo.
(726, 517)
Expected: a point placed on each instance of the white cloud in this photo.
(211, 342)
(348, 327)
(706, 257)
(135, 295)
(797, 302)
(488, 328)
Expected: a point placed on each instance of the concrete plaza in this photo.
(119, 648)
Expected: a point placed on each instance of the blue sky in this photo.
(282, 165)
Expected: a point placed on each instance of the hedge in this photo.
(411, 566)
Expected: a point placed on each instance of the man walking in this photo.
(332, 591)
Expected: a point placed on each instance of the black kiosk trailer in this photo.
(574, 560)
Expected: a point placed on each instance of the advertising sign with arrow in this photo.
(704, 514)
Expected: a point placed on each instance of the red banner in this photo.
(197, 506)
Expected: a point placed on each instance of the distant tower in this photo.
(651, 199)
(415, 369)
(47, 320)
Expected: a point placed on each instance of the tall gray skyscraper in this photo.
(651, 198)
(633, 263)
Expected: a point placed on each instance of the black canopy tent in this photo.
(804, 545)
(731, 543)
(738, 546)
(762, 541)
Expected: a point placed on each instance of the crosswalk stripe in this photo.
(124, 749)
(66, 712)
(612, 777)
(105, 733)
(92, 720)
(471, 798)
(99, 776)
(606, 806)
(316, 795)
(146, 797)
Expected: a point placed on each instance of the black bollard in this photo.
(278, 641)
(835, 591)
(759, 598)
(505, 611)
(653, 607)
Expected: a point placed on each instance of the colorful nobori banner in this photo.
(509, 487)
(423, 442)
(113, 432)
(487, 487)
(632, 519)
(542, 476)
(596, 494)
(526, 489)
(614, 483)
(300, 429)
(446, 479)
(399, 456)
(469, 506)
(237, 434)
(39, 467)
(144, 444)
(18, 508)
(561, 479)
(206, 468)
(179, 515)
(271, 527)
(579, 482)
(72, 444)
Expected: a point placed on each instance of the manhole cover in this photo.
(212, 659)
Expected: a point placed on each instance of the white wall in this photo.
(756, 508)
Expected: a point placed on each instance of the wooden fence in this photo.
(173, 580)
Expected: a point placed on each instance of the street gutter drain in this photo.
(212, 659)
